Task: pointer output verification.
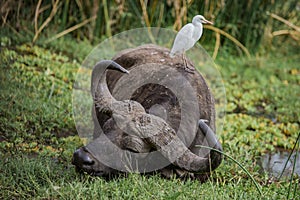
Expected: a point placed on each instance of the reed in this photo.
(295, 149)
(258, 187)
(246, 21)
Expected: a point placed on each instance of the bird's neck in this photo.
(198, 24)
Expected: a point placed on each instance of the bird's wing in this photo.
(183, 40)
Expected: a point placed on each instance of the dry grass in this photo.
(244, 26)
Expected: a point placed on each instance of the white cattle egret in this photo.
(187, 37)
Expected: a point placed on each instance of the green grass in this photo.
(46, 178)
(38, 135)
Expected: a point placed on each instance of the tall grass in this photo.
(246, 21)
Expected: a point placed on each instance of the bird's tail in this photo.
(172, 54)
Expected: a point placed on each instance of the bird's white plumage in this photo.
(188, 35)
(184, 40)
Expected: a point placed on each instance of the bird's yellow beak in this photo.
(207, 22)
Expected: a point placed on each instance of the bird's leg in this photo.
(186, 67)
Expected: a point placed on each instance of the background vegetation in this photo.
(255, 43)
(251, 22)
